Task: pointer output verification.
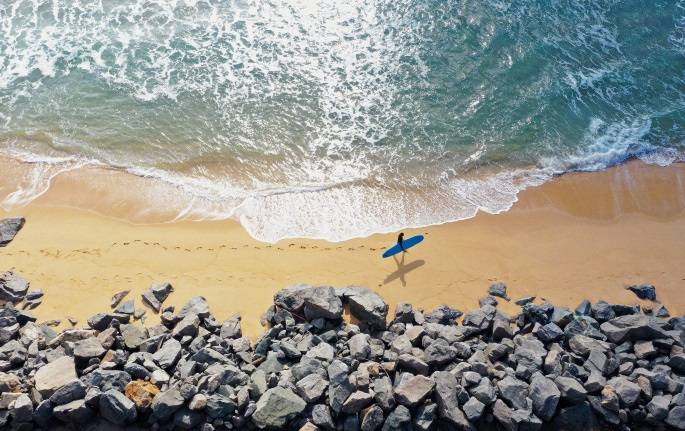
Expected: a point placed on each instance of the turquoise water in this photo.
(335, 119)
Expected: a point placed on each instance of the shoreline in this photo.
(622, 225)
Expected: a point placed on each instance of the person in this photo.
(400, 241)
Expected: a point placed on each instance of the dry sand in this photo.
(583, 235)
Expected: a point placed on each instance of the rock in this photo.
(166, 403)
(156, 295)
(570, 389)
(473, 409)
(116, 408)
(186, 419)
(127, 307)
(33, 294)
(444, 315)
(117, 297)
(633, 327)
(584, 308)
(133, 335)
(312, 387)
(142, 393)
(545, 396)
(412, 391)
(168, 354)
(513, 391)
(562, 316)
(645, 350)
(76, 411)
(231, 328)
(199, 402)
(367, 306)
(425, 417)
(22, 409)
(372, 418)
(196, 305)
(339, 385)
(276, 407)
(188, 326)
(357, 401)
(524, 300)
(219, 406)
(9, 228)
(54, 375)
(627, 391)
(13, 288)
(484, 392)
(658, 406)
(398, 419)
(88, 348)
(72, 391)
(9, 383)
(321, 417)
(439, 353)
(549, 332)
(383, 393)
(499, 289)
(504, 415)
(602, 311)
(360, 349)
(322, 302)
(676, 417)
(582, 345)
(644, 291)
(107, 379)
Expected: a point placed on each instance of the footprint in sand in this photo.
(186, 249)
(279, 248)
(234, 248)
(291, 245)
(350, 249)
(177, 248)
(146, 243)
(303, 247)
(372, 249)
(223, 246)
(210, 249)
(127, 243)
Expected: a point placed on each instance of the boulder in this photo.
(88, 348)
(312, 387)
(398, 419)
(446, 398)
(134, 336)
(197, 306)
(570, 389)
(360, 349)
(500, 290)
(367, 306)
(444, 315)
(13, 288)
(72, 391)
(127, 307)
(644, 291)
(633, 327)
(513, 391)
(231, 328)
(77, 412)
(9, 228)
(117, 297)
(545, 396)
(277, 407)
(473, 409)
(322, 302)
(357, 401)
(167, 356)
(116, 408)
(371, 418)
(156, 295)
(413, 390)
(628, 392)
(676, 417)
(54, 375)
(166, 403)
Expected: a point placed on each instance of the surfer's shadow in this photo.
(403, 269)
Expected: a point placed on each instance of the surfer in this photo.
(400, 241)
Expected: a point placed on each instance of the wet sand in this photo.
(582, 235)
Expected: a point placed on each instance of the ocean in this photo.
(338, 119)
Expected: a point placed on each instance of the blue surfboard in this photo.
(407, 243)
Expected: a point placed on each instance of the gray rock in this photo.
(22, 409)
(107, 379)
(627, 391)
(398, 419)
(33, 294)
(52, 376)
(156, 295)
(166, 403)
(446, 397)
(9, 228)
(439, 353)
(357, 401)
(13, 288)
(116, 408)
(584, 308)
(524, 300)
(76, 411)
(339, 385)
(72, 391)
(127, 307)
(187, 419)
(676, 417)
(413, 390)
(473, 409)
(231, 328)
(322, 302)
(545, 396)
(197, 306)
(570, 389)
(504, 415)
(633, 327)
(188, 326)
(367, 306)
(658, 406)
(383, 393)
(88, 348)
(425, 417)
(100, 321)
(133, 335)
(413, 364)
(372, 418)
(582, 345)
(219, 406)
(444, 315)
(562, 316)
(484, 392)
(549, 332)
(577, 417)
(312, 387)
(513, 391)
(167, 356)
(117, 297)
(276, 407)
(644, 291)
(360, 349)
(602, 311)
(499, 289)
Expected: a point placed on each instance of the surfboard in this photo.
(407, 243)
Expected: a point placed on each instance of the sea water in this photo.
(339, 118)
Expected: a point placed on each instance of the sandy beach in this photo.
(582, 235)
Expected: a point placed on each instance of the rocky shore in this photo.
(600, 366)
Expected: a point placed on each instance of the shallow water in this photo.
(336, 119)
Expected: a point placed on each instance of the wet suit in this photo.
(400, 240)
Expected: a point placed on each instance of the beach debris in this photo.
(499, 289)
(644, 291)
(524, 300)
(156, 295)
(607, 366)
(117, 297)
(9, 228)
